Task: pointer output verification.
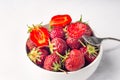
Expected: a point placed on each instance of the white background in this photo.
(102, 15)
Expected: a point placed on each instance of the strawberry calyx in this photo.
(34, 55)
(56, 66)
(63, 57)
(30, 28)
(89, 48)
(51, 46)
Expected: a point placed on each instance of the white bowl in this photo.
(81, 74)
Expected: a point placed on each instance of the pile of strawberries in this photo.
(60, 47)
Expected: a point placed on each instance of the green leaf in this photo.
(80, 18)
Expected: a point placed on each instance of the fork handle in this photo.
(111, 39)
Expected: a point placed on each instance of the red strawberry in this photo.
(73, 43)
(38, 56)
(59, 45)
(83, 50)
(60, 20)
(39, 35)
(76, 30)
(88, 31)
(57, 32)
(30, 45)
(52, 62)
(75, 60)
(90, 53)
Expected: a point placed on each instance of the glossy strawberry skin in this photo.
(39, 35)
(57, 32)
(60, 20)
(88, 31)
(76, 30)
(50, 60)
(73, 43)
(59, 45)
(75, 60)
(30, 45)
(83, 50)
(90, 57)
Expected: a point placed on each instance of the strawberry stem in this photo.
(60, 55)
(82, 21)
(51, 46)
(63, 57)
(66, 55)
(63, 70)
(96, 53)
(96, 49)
(82, 43)
(65, 29)
(80, 18)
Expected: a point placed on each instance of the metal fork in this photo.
(95, 41)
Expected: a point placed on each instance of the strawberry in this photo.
(76, 30)
(52, 62)
(90, 52)
(75, 60)
(57, 32)
(73, 43)
(39, 35)
(60, 20)
(38, 56)
(30, 45)
(79, 28)
(88, 31)
(83, 49)
(59, 45)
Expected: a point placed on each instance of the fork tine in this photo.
(91, 40)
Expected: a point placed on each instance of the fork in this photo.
(96, 41)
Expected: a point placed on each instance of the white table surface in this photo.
(103, 16)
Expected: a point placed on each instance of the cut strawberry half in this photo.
(60, 20)
(39, 35)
